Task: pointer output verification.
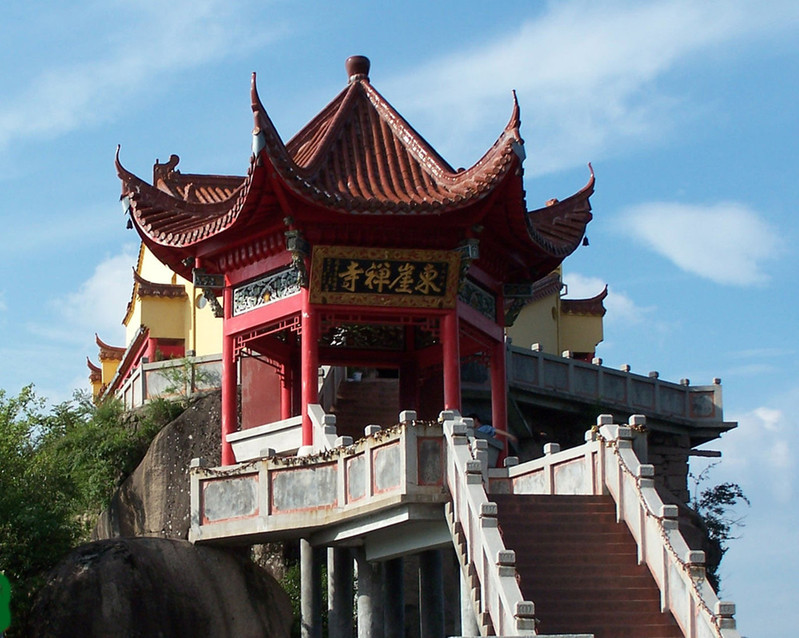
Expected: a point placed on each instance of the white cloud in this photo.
(99, 303)
(727, 243)
(620, 307)
(582, 287)
(587, 74)
(144, 41)
(55, 357)
(761, 454)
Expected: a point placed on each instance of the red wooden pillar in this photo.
(409, 375)
(309, 364)
(499, 390)
(450, 334)
(229, 384)
(285, 390)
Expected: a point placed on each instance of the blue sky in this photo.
(687, 110)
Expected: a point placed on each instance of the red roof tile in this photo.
(95, 372)
(202, 189)
(358, 156)
(108, 352)
(560, 226)
(592, 307)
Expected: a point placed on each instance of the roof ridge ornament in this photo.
(357, 68)
(258, 137)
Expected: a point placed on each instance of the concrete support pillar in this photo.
(309, 364)
(339, 592)
(229, 385)
(431, 595)
(370, 590)
(310, 591)
(394, 597)
(450, 335)
(469, 625)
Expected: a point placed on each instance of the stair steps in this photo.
(580, 567)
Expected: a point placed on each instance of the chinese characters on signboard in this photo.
(384, 277)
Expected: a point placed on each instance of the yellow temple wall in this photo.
(109, 367)
(537, 323)
(580, 333)
(133, 322)
(204, 330)
(164, 317)
(542, 322)
(153, 270)
(169, 318)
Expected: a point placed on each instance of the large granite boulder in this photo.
(155, 499)
(137, 587)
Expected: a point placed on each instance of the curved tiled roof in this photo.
(592, 307)
(108, 352)
(358, 156)
(560, 225)
(95, 372)
(173, 221)
(546, 286)
(146, 288)
(202, 189)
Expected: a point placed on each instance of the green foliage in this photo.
(37, 523)
(717, 507)
(185, 377)
(58, 469)
(291, 584)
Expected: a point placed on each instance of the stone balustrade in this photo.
(621, 390)
(607, 463)
(153, 379)
(277, 497)
(368, 483)
(476, 517)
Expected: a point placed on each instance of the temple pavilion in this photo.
(355, 246)
(355, 243)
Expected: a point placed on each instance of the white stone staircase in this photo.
(605, 464)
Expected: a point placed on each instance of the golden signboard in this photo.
(384, 277)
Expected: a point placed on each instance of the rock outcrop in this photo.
(136, 587)
(155, 499)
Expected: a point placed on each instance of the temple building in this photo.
(167, 318)
(364, 296)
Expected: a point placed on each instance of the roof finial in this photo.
(357, 68)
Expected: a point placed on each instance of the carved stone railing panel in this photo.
(265, 290)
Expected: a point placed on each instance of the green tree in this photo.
(36, 518)
(717, 506)
(59, 467)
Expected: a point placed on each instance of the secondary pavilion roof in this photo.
(592, 307)
(356, 165)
